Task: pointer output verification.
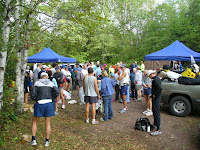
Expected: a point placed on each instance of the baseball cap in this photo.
(138, 67)
(123, 65)
(44, 74)
(150, 72)
(75, 69)
(44, 66)
(64, 66)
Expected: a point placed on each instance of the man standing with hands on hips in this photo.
(156, 92)
(123, 81)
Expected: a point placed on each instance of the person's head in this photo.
(77, 65)
(90, 70)
(49, 73)
(84, 66)
(97, 66)
(75, 70)
(134, 70)
(151, 73)
(39, 66)
(141, 62)
(123, 67)
(31, 68)
(98, 62)
(138, 67)
(44, 75)
(105, 65)
(145, 72)
(57, 68)
(44, 67)
(54, 65)
(104, 73)
(64, 66)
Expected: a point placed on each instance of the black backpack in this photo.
(142, 124)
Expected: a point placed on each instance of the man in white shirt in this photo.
(138, 83)
(84, 70)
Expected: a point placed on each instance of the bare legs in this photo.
(48, 126)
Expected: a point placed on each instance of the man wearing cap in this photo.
(156, 92)
(138, 83)
(66, 76)
(123, 82)
(36, 71)
(80, 77)
(59, 79)
(44, 68)
(43, 92)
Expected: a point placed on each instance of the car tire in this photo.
(180, 106)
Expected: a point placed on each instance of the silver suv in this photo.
(182, 99)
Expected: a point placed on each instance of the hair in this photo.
(49, 73)
(90, 70)
(54, 64)
(31, 68)
(104, 73)
(97, 66)
(116, 70)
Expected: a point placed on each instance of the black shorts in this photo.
(91, 99)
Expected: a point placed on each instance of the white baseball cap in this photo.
(44, 74)
(150, 72)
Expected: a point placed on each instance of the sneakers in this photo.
(46, 143)
(56, 113)
(149, 113)
(124, 110)
(95, 122)
(33, 142)
(101, 119)
(82, 103)
(156, 133)
(63, 106)
(87, 121)
(144, 113)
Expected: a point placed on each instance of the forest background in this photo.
(88, 30)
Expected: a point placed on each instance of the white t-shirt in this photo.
(84, 71)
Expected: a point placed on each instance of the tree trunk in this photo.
(3, 53)
(124, 31)
(18, 84)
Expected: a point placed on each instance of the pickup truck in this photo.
(182, 99)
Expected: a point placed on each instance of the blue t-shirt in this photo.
(181, 67)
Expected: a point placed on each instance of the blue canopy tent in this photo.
(47, 55)
(176, 51)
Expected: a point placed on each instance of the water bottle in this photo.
(148, 128)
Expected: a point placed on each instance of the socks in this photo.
(33, 138)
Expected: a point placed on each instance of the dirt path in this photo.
(177, 132)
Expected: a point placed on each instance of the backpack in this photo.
(142, 124)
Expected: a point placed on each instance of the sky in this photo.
(159, 1)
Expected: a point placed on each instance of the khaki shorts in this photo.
(138, 87)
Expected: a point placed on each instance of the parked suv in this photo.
(182, 99)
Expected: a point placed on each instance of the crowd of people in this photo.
(93, 82)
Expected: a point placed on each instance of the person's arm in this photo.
(96, 87)
(159, 88)
(55, 82)
(34, 93)
(113, 83)
(84, 84)
(122, 76)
